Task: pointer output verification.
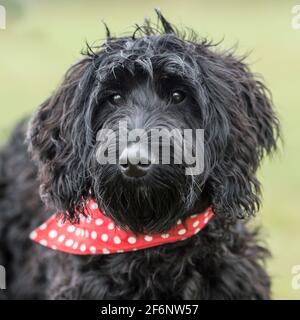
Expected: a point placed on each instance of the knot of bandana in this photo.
(97, 234)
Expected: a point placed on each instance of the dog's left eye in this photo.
(116, 99)
(177, 96)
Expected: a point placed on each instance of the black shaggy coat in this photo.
(225, 260)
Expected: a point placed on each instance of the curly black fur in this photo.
(225, 260)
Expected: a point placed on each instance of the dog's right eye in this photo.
(177, 96)
(116, 99)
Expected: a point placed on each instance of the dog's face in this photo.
(145, 84)
(150, 82)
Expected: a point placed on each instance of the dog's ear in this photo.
(55, 140)
(240, 128)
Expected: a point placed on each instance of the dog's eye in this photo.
(116, 99)
(177, 96)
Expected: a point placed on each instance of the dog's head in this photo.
(157, 79)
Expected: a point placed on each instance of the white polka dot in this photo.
(134, 249)
(99, 222)
(52, 234)
(53, 247)
(205, 220)
(33, 235)
(43, 242)
(197, 230)
(75, 245)
(71, 228)
(195, 224)
(165, 235)
(206, 214)
(111, 226)
(120, 251)
(131, 240)
(105, 251)
(93, 249)
(43, 226)
(194, 216)
(87, 234)
(179, 221)
(83, 247)
(61, 238)
(117, 240)
(94, 206)
(104, 237)
(182, 231)
(82, 233)
(69, 242)
(94, 235)
(148, 238)
(78, 232)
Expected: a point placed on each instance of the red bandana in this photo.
(98, 234)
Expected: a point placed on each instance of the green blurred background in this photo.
(43, 38)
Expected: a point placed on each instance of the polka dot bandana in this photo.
(98, 234)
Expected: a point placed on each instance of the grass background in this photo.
(43, 38)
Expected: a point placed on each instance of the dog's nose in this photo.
(134, 161)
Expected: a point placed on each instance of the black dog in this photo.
(155, 78)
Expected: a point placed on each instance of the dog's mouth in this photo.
(150, 203)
